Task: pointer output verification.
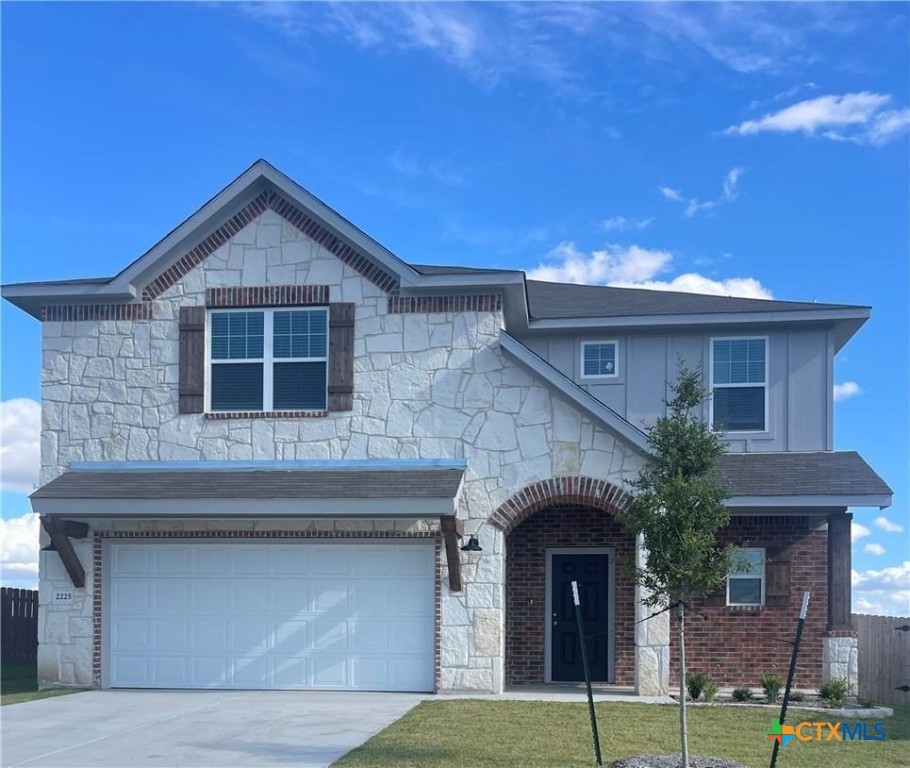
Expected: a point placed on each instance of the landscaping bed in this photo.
(19, 682)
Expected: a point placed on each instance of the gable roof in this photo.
(549, 300)
(529, 305)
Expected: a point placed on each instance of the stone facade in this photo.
(427, 385)
(840, 658)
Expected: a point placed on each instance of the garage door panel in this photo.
(283, 615)
(210, 633)
(171, 560)
(170, 596)
(330, 672)
(210, 596)
(170, 634)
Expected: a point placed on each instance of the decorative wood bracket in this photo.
(452, 530)
(61, 531)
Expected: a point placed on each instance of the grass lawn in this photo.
(19, 682)
(473, 734)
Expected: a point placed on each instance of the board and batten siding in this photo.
(800, 379)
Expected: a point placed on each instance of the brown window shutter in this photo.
(192, 360)
(777, 577)
(341, 357)
(717, 597)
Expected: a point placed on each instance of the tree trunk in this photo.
(683, 726)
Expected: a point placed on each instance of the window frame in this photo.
(268, 358)
(762, 577)
(765, 385)
(581, 372)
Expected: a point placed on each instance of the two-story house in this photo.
(275, 455)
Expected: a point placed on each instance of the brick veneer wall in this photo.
(735, 645)
(526, 619)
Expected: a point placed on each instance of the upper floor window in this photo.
(268, 359)
(746, 580)
(739, 384)
(598, 359)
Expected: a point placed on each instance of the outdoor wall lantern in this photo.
(472, 546)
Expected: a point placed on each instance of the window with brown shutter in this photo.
(191, 392)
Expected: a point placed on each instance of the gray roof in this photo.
(423, 483)
(552, 300)
(822, 473)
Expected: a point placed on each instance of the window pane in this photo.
(747, 561)
(237, 335)
(739, 361)
(300, 333)
(599, 359)
(739, 409)
(745, 591)
(237, 387)
(299, 386)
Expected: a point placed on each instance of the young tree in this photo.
(678, 508)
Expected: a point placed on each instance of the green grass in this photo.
(476, 734)
(19, 682)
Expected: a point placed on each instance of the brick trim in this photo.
(403, 305)
(97, 565)
(269, 199)
(67, 313)
(574, 489)
(221, 415)
(267, 296)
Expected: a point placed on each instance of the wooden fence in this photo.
(884, 658)
(18, 626)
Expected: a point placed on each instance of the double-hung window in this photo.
(746, 580)
(739, 384)
(598, 360)
(268, 359)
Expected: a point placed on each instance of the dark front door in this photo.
(591, 571)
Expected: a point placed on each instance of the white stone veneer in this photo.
(840, 658)
(426, 386)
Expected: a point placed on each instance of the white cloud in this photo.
(846, 390)
(857, 117)
(19, 551)
(20, 444)
(613, 263)
(858, 531)
(635, 267)
(874, 549)
(694, 206)
(887, 525)
(407, 167)
(622, 224)
(885, 591)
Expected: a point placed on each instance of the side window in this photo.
(739, 382)
(599, 360)
(746, 581)
(268, 360)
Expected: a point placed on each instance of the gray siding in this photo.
(800, 379)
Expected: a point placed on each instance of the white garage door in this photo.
(269, 615)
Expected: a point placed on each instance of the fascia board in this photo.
(569, 389)
(336, 508)
(705, 318)
(879, 500)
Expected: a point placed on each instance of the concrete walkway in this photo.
(194, 729)
(564, 693)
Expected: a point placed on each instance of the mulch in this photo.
(673, 761)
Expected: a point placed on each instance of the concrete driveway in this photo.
(194, 729)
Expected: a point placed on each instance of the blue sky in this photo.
(759, 150)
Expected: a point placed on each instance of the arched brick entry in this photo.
(575, 489)
(559, 515)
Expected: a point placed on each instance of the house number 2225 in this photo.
(63, 596)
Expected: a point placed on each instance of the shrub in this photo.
(742, 694)
(695, 683)
(771, 684)
(867, 703)
(834, 691)
(709, 690)
(796, 696)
